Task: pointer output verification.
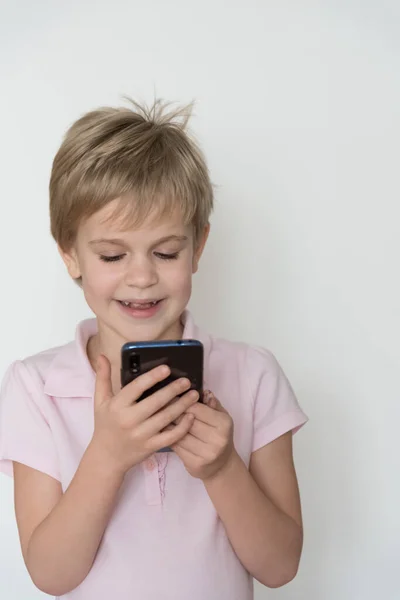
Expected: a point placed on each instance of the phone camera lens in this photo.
(134, 363)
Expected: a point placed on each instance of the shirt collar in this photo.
(70, 374)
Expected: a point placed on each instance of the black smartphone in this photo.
(184, 358)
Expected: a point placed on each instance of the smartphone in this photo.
(184, 358)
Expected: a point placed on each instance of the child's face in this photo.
(137, 282)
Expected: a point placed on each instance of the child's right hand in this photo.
(126, 432)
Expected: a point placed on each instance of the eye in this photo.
(111, 258)
(163, 256)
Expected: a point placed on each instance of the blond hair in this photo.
(142, 156)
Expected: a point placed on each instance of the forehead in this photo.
(113, 219)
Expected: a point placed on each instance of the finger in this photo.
(202, 431)
(216, 405)
(193, 445)
(170, 437)
(204, 413)
(185, 456)
(131, 392)
(170, 413)
(103, 387)
(213, 402)
(176, 421)
(170, 400)
(206, 397)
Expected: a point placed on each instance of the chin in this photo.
(148, 330)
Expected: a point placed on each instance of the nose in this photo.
(141, 273)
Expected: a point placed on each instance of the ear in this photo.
(71, 261)
(200, 247)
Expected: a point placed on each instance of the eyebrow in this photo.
(117, 242)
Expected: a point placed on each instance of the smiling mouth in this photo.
(139, 305)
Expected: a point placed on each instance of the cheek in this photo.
(179, 278)
(98, 279)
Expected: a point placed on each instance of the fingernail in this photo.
(207, 396)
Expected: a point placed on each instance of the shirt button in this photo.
(149, 464)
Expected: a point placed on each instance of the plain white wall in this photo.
(298, 112)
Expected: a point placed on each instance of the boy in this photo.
(100, 512)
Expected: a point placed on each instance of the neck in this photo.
(109, 343)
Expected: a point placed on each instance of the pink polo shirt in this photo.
(164, 540)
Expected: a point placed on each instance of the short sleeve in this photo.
(25, 435)
(276, 409)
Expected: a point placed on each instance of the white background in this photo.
(298, 111)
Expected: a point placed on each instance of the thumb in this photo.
(103, 389)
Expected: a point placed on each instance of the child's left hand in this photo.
(208, 447)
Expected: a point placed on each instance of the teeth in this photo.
(138, 304)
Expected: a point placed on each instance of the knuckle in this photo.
(213, 453)
(124, 423)
(226, 423)
(135, 438)
(220, 447)
(200, 463)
